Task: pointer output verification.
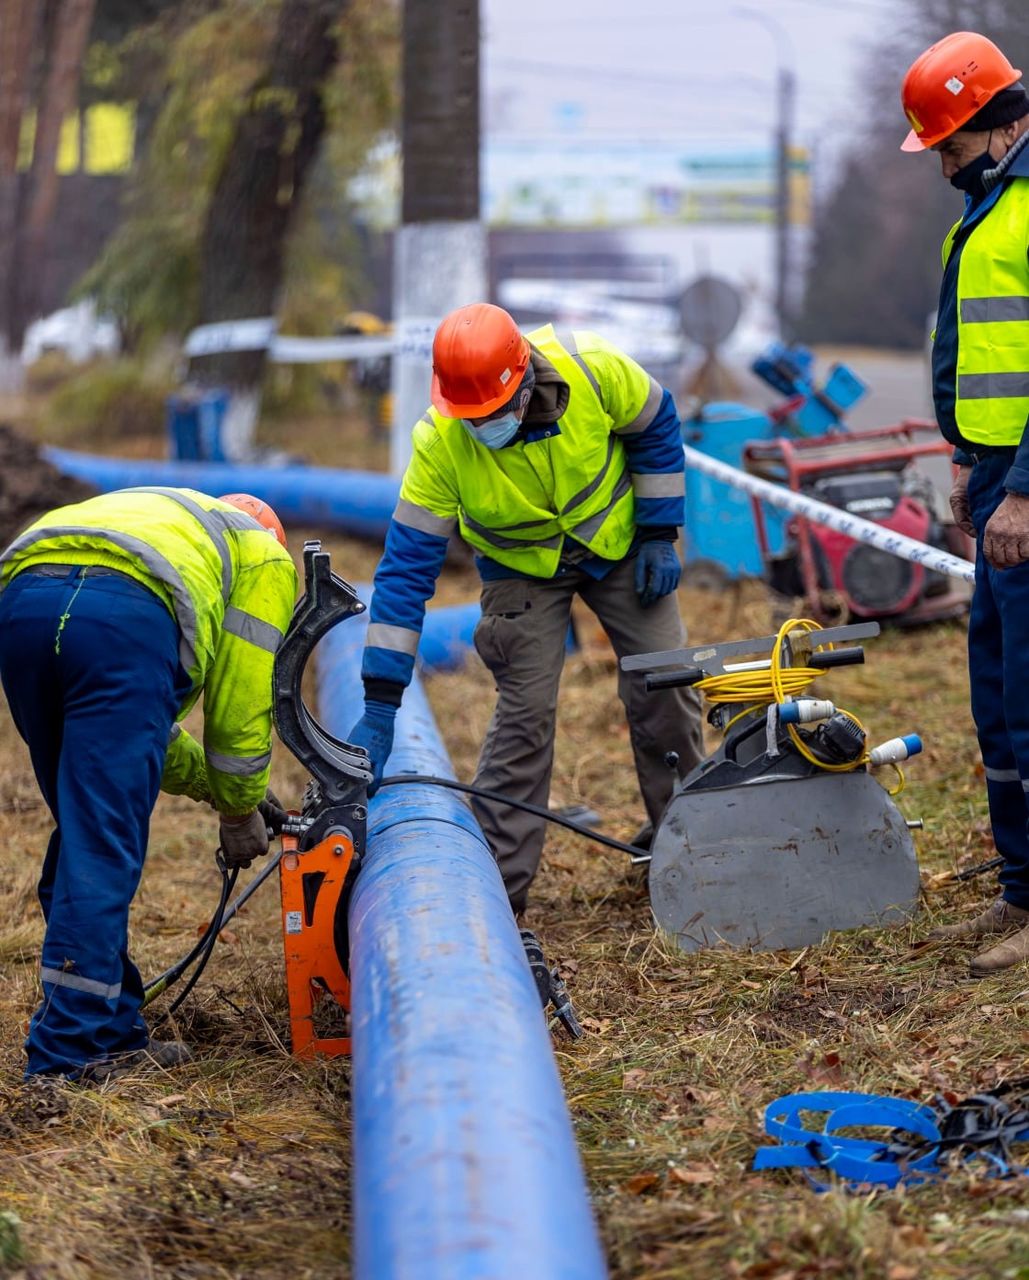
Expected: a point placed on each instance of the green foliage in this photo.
(109, 400)
(211, 67)
(12, 1251)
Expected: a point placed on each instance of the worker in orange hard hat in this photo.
(117, 614)
(964, 100)
(260, 510)
(560, 460)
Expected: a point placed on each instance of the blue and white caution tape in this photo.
(875, 535)
(260, 335)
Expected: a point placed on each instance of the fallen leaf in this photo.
(901, 1272)
(641, 1182)
(598, 1027)
(691, 1176)
(633, 1079)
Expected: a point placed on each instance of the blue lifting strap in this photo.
(908, 1151)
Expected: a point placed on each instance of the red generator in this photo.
(869, 474)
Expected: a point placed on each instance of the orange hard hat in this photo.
(261, 511)
(949, 83)
(478, 359)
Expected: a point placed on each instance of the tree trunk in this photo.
(69, 36)
(257, 194)
(19, 21)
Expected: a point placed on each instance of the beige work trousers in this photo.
(521, 638)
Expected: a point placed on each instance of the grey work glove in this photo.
(959, 502)
(273, 811)
(243, 839)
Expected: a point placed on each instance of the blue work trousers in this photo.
(998, 652)
(91, 671)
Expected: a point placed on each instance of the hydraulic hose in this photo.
(548, 815)
(219, 920)
(225, 910)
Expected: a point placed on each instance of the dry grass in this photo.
(239, 1164)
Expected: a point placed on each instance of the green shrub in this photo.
(109, 400)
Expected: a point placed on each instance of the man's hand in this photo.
(1006, 540)
(959, 502)
(273, 812)
(374, 732)
(657, 571)
(243, 839)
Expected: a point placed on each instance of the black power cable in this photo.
(638, 856)
(204, 948)
(219, 920)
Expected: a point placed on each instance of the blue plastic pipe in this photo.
(465, 1164)
(357, 502)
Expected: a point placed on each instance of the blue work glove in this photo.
(657, 571)
(374, 732)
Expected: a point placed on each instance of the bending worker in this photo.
(560, 460)
(965, 101)
(116, 614)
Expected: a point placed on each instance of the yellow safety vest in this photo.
(518, 505)
(992, 401)
(230, 587)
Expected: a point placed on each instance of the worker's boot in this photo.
(1010, 952)
(999, 917)
(159, 1054)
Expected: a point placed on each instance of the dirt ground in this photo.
(238, 1166)
(29, 486)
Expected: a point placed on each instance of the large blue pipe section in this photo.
(357, 502)
(465, 1163)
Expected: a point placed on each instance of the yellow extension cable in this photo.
(778, 684)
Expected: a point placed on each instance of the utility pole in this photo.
(785, 94)
(439, 259)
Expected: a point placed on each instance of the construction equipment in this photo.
(323, 844)
(782, 834)
(867, 473)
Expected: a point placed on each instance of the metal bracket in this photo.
(710, 659)
(340, 772)
(323, 845)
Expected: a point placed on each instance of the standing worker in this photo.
(117, 613)
(965, 101)
(561, 462)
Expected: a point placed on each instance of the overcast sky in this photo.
(676, 69)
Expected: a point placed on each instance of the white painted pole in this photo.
(896, 544)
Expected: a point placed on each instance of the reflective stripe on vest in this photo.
(238, 766)
(992, 402)
(215, 523)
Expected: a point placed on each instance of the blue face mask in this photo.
(495, 433)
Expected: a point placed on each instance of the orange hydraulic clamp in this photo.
(314, 886)
(322, 846)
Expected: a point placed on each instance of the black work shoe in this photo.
(159, 1054)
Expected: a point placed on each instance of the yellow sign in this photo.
(100, 141)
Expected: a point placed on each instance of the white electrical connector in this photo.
(895, 750)
(805, 710)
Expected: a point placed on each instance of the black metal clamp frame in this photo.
(337, 797)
